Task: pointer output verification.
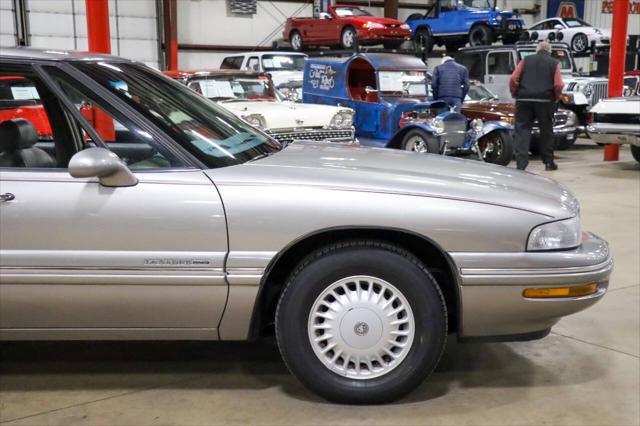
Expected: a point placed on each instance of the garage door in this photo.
(8, 34)
(61, 24)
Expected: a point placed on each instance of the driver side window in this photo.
(135, 147)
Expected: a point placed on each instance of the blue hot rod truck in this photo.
(389, 94)
(453, 23)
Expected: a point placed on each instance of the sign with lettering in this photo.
(565, 9)
(634, 7)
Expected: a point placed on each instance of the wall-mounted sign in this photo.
(565, 9)
(634, 7)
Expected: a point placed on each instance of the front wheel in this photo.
(580, 43)
(296, 41)
(361, 322)
(423, 41)
(349, 38)
(497, 147)
(480, 35)
(635, 151)
(417, 140)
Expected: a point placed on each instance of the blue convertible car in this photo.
(389, 94)
(453, 23)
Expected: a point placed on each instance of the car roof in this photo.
(55, 55)
(379, 61)
(212, 72)
(268, 52)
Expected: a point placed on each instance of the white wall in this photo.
(7, 24)
(62, 24)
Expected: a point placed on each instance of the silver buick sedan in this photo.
(133, 208)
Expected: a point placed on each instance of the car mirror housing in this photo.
(103, 164)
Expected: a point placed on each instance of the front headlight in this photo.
(571, 118)
(372, 26)
(438, 125)
(499, 18)
(405, 27)
(564, 234)
(256, 120)
(588, 90)
(477, 125)
(342, 120)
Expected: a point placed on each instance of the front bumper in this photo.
(614, 133)
(565, 131)
(492, 286)
(383, 34)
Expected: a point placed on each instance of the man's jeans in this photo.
(452, 102)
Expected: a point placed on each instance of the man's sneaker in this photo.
(551, 166)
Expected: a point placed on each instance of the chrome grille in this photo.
(599, 92)
(455, 132)
(560, 118)
(334, 135)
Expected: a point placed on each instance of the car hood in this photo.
(285, 115)
(355, 168)
(490, 110)
(629, 105)
(377, 20)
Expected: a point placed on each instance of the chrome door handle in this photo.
(7, 197)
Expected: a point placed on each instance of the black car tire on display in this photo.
(580, 43)
(417, 140)
(337, 300)
(295, 39)
(423, 40)
(502, 150)
(349, 39)
(481, 35)
(635, 151)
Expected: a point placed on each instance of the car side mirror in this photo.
(103, 164)
(558, 27)
(325, 15)
(369, 89)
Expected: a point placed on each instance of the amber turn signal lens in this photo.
(550, 293)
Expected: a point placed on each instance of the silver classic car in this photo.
(152, 213)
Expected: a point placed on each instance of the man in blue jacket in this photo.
(450, 83)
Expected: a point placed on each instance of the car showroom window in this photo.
(135, 147)
(27, 137)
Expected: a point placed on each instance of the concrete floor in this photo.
(586, 372)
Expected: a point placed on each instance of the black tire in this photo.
(392, 45)
(349, 39)
(580, 43)
(635, 151)
(384, 262)
(453, 46)
(511, 38)
(296, 45)
(564, 143)
(422, 40)
(500, 146)
(481, 35)
(430, 145)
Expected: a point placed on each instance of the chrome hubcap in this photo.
(295, 41)
(417, 144)
(361, 327)
(579, 43)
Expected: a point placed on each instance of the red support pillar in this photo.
(170, 9)
(98, 26)
(617, 59)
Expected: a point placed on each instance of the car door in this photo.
(81, 260)
(500, 65)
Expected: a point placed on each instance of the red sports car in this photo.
(346, 26)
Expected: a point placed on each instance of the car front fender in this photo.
(492, 126)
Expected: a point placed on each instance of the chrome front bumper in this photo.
(559, 131)
(614, 133)
(492, 286)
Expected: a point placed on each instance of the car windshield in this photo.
(403, 83)
(575, 22)
(561, 55)
(283, 63)
(344, 12)
(209, 132)
(230, 88)
(477, 92)
(477, 3)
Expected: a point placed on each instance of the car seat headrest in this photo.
(17, 134)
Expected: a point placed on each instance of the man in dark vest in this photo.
(450, 83)
(537, 85)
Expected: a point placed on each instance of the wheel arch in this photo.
(423, 27)
(437, 261)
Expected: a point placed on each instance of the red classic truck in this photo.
(346, 26)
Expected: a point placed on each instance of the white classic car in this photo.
(573, 31)
(252, 97)
(617, 121)
(282, 67)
